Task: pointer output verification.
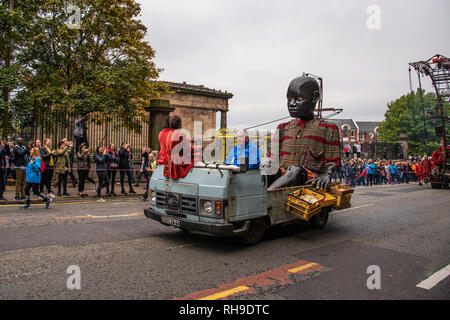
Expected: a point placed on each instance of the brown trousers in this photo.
(20, 183)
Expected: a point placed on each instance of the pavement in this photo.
(393, 243)
(10, 193)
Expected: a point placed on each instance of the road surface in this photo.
(394, 243)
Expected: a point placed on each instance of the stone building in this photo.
(196, 102)
(192, 103)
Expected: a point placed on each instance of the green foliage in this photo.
(405, 115)
(104, 67)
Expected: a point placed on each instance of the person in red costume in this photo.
(177, 164)
(162, 138)
(419, 172)
(438, 156)
(426, 168)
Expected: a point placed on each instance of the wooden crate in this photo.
(301, 208)
(343, 196)
(330, 200)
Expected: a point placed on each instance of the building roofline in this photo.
(198, 90)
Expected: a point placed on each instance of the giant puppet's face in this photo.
(302, 96)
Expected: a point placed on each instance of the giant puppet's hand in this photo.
(323, 180)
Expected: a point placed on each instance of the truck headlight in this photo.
(211, 208)
(208, 207)
(152, 197)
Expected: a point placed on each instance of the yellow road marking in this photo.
(80, 217)
(118, 215)
(226, 293)
(301, 268)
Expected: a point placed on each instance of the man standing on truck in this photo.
(306, 142)
(244, 148)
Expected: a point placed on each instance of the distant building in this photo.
(367, 130)
(356, 131)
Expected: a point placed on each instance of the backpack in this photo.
(42, 167)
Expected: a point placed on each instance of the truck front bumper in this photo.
(212, 229)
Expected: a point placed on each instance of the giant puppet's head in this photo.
(302, 96)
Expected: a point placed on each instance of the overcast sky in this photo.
(254, 48)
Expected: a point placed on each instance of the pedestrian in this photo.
(78, 132)
(347, 150)
(370, 172)
(113, 166)
(48, 157)
(358, 150)
(419, 173)
(144, 164)
(148, 172)
(71, 153)
(21, 154)
(388, 172)
(33, 178)
(83, 168)
(413, 171)
(426, 169)
(131, 164)
(101, 159)
(124, 167)
(362, 173)
(401, 168)
(62, 168)
(4, 153)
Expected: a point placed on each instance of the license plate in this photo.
(172, 222)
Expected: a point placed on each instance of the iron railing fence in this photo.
(101, 130)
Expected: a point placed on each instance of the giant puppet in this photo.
(306, 143)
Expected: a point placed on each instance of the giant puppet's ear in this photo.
(315, 96)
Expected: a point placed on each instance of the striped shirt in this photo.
(311, 144)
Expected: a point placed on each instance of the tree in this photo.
(104, 66)
(405, 115)
(14, 18)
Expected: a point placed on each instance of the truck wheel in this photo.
(255, 232)
(319, 221)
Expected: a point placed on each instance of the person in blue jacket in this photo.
(33, 179)
(244, 148)
(394, 172)
(370, 172)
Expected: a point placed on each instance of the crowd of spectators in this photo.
(51, 167)
(366, 172)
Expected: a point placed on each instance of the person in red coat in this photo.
(426, 168)
(162, 138)
(419, 172)
(176, 163)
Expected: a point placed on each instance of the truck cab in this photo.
(224, 201)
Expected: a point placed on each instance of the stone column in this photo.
(404, 141)
(223, 119)
(159, 111)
